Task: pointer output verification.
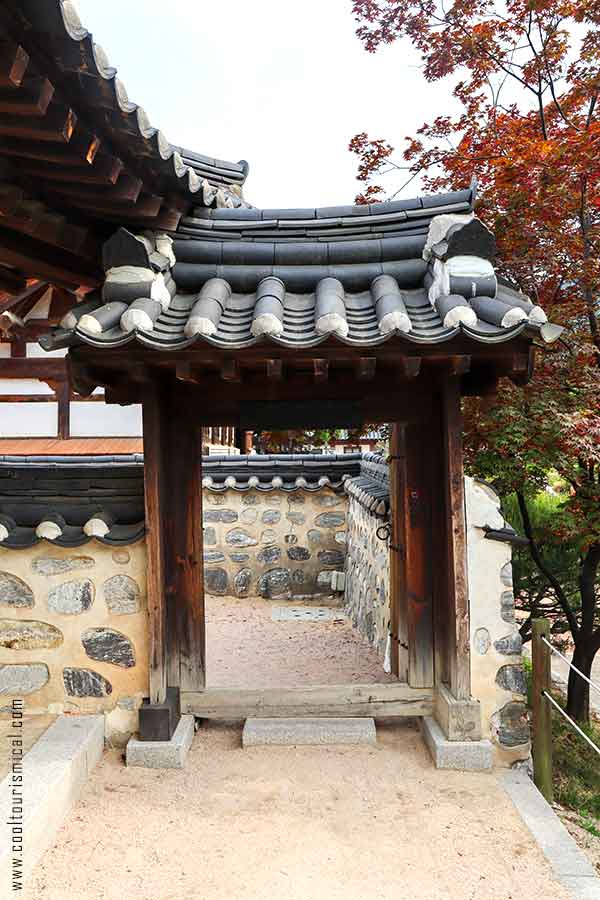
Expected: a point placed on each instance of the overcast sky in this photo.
(282, 83)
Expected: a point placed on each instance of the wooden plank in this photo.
(418, 557)
(458, 600)
(154, 463)
(366, 368)
(398, 600)
(80, 152)
(339, 700)
(57, 126)
(274, 369)
(321, 370)
(33, 368)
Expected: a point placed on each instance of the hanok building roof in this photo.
(78, 157)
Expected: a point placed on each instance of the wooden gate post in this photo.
(459, 662)
(542, 712)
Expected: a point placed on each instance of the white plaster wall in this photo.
(98, 419)
(495, 642)
(28, 419)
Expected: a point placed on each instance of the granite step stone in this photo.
(308, 732)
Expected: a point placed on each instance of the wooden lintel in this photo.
(460, 365)
(336, 700)
(321, 370)
(230, 371)
(366, 368)
(411, 366)
(33, 368)
(275, 369)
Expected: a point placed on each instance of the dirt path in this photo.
(294, 824)
(247, 648)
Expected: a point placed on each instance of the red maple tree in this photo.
(526, 78)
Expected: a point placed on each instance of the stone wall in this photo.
(273, 544)
(497, 677)
(74, 631)
(367, 594)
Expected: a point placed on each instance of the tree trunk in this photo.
(578, 693)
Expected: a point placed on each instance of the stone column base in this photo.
(169, 754)
(459, 720)
(466, 756)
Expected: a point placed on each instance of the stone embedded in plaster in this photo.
(210, 536)
(21, 679)
(213, 556)
(340, 537)
(122, 595)
(512, 725)
(49, 565)
(216, 581)
(220, 515)
(71, 597)
(239, 557)
(512, 678)
(15, 592)
(271, 516)
(248, 516)
(241, 582)
(121, 557)
(85, 683)
(332, 557)
(295, 517)
(298, 576)
(327, 500)
(250, 499)
(291, 538)
(275, 584)
(481, 641)
(324, 578)
(511, 645)
(108, 645)
(128, 703)
(215, 499)
(274, 499)
(298, 553)
(507, 606)
(26, 635)
(269, 555)
(296, 499)
(240, 538)
(315, 537)
(506, 574)
(330, 520)
(268, 536)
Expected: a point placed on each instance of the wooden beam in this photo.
(38, 261)
(153, 414)
(275, 369)
(26, 300)
(339, 700)
(57, 126)
(321, 370)
(80, 152)
(460, 365)
(32, 98)
(11, 282)
(366, 368)
(411, 365)
(125, 190)
(458, 599)
(230, 371)
(33, 368)
(13, 64)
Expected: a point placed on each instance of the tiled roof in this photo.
(70, 500)
(415, 269)
(371, 487)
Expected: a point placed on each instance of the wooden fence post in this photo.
(542, 711)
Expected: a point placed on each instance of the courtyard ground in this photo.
(294, 824)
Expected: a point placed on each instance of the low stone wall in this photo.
(367, 593)
(74, 631)
(274, 544)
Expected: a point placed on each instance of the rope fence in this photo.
(543, 703)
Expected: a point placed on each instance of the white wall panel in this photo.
(28, 419)
(102, 420)
(24, 386)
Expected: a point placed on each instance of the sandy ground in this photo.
(33, 729)
(294, 824)
(246, 648)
